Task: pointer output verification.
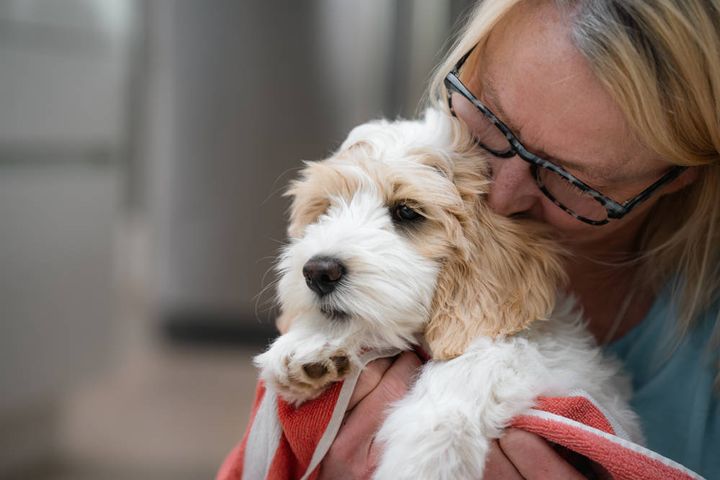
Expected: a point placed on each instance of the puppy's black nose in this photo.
(322, 274)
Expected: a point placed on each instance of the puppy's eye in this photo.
(402, 213)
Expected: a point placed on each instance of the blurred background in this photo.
(143, 149)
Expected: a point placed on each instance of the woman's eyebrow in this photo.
(496, 107)
(569, 165)
(489, 92)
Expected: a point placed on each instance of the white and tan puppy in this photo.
(391, 244)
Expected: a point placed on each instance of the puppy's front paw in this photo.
(299, 372)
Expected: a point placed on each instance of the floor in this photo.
(172, 413)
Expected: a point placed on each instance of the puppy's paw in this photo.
(300, 371)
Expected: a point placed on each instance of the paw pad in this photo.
(342, 364)
(315, 370)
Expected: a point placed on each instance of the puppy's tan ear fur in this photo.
(307, 205)
(498, 280)
(319, 181)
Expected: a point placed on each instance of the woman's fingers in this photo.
(365, 419)
(370, 413)
(353, 453)
(534, 458)
(498, 466)
(369, 379)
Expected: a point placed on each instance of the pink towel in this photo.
(283, 442)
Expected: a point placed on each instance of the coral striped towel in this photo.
(283, 442)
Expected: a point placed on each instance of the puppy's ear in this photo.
(318, 182)
(502, 277)
(308, 202)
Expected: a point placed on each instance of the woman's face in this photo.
(533, 78)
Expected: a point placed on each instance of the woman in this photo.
(610, 133)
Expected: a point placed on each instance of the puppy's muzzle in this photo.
(322, 274)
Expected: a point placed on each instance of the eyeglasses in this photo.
(561, 187)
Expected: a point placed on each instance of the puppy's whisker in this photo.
(276, 191)
(268, 300)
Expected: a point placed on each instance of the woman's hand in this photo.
(354, 454)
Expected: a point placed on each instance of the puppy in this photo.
(392, 245)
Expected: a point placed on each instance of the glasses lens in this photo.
(570, 196)
(481, 127)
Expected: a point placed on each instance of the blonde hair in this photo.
(659, 61)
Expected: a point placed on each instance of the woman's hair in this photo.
(660, 61)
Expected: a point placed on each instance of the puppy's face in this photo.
(389, 236)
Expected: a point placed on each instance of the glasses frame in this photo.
(615, 210)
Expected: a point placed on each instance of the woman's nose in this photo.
(513, 190)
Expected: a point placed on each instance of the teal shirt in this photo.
(674, 395)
